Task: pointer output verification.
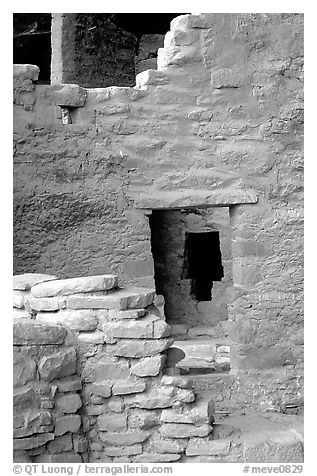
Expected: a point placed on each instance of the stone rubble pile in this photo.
(94, 355)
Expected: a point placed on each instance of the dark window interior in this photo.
(202, 263)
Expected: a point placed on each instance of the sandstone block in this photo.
(20, 313)
(156, 458)
(105, 371)
(61, 444)
(78, 320)
(184, 430)
(197, 413)
(115, 404)
(129, 314)
(33, 418)
(26, 71)
(177, 381)
(27, 431)
(58, 458)
(32, 442)
(161, 329)
(27, 280)
(127, 438)
(24, 370)
(103, 389)
(200, 447)
(23, 397)
(65, 287)
(47, 304)
(80, 444)
(168, 445)
(122, 450)
(68, 403)
(148, 366)
(68, 384)
(57, 365)
(140, 329)
(70, 95)
(153, 398)
(136, 349)
(121, 299)
(91, 337)
(67, 423)
(112, 422)
(18, 299)
(124, 387)
(95, 410)
(28, 332)
(143, 419)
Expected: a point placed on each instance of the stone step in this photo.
(121, 299)
(84, 284)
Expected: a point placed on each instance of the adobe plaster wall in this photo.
(219, 123)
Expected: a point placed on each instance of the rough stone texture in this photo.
(31, 332)
(68, 423)
(58, 365)
(184, 430)
(137, 349)
(27, 280)
(127, 438)
(75, 285)
(68, 403)
(149, 366)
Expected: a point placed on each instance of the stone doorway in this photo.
(193, 271)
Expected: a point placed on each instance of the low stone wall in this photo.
(87, 335)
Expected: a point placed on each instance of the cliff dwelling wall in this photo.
(218, 124)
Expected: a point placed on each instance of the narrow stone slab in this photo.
(75, 285)
(141, 329)
(121, 315)
(197, 413)
(200, 447)
(127, 438)
(136, 349)
(122, 450)
(168, 445)
(161, 397)
(112, 422)
(149, 366)
(91, 337)
(27, 280)
(77, 320)
(70, 95)
(177, 381)
(122, 299)
(102, 389)
(18, 298)
(32, 442)
(28, 331)
(124, 387)
(46, 304)
(20, 313)
(156, 457)
(68, 384)
(184, 430)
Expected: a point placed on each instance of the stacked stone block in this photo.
(127, 410)
(46, 421)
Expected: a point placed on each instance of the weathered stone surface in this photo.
(124, 439)
(161, 397)
(28, 431)
(68, 384)
(124, 387)
(161, 329)
(47, 304)
(129, 314)
(23, 397)
(198, 353)
(198, 446)
(80, 444)
(27, 332)
(112, 422)
(122, 450)
(141, 329)
(122, 299)
(197, 413)
(68, 403)
(67, 423)
(24, 370)
(57, 365)
(91, 337)
(137, 349)
(58, 458)
(168, 445)
(149, 366)
(20, 313)
(156, 458)
(60, 444)
(143, 419)
(27, 280)
(33, 418)
(18, 299)
(32, 442)
(65, 287)
(78, 320)
(103, 389)
(105, 371)
(68, 95)
(26, 71)
(184, 430)
(177, 381)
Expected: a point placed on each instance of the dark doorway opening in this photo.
(202, 263)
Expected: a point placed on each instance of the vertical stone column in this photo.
(63, 47)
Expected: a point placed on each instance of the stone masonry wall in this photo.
(218, 124)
